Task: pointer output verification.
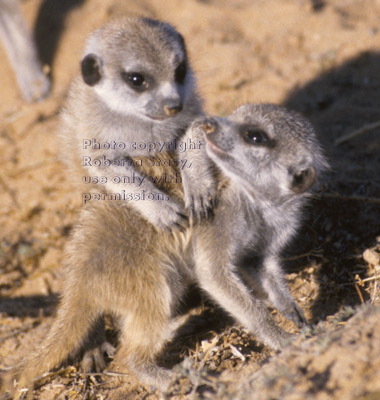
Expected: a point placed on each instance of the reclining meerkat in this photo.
(270, 157)
(22, 52)
(119, 263)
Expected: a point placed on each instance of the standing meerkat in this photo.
(119, 263)
(135, 98)
(136, 86)
(22, 52)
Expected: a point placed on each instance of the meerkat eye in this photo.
(135, 80)
(180, 73)
(255, 136)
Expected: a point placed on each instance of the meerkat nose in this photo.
(208, 127)
(171, 110)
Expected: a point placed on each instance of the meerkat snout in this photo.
(216, 141)
(173, 108)
(208, 126)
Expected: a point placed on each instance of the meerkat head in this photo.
(139, 66)
(268, 149)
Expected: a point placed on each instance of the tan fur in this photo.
(124, 258)
(120, 264)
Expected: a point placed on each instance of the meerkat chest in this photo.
(253, 233)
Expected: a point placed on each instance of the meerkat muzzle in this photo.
(171, 111)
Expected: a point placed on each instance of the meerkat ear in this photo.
(303, 180)
(91, 69)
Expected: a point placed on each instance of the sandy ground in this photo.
(319, 57)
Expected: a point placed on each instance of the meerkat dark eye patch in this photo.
(90, 68)
(256, 136)
(135, 80)
(180, 73)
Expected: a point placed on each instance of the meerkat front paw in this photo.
(173, 217)
(200, 198)
(294, 313)
(277, 338)
(286, 340)
(199, 182)
(290, 310)
(166, 214)
(298, 317)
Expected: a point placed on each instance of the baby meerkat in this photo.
(119, 263)
(136, 86)
(270, 157)
(22, 52)
(135, 98)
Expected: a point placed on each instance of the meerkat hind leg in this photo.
(144, 333)
(273, 281)
(69, 331)
(220, 280)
